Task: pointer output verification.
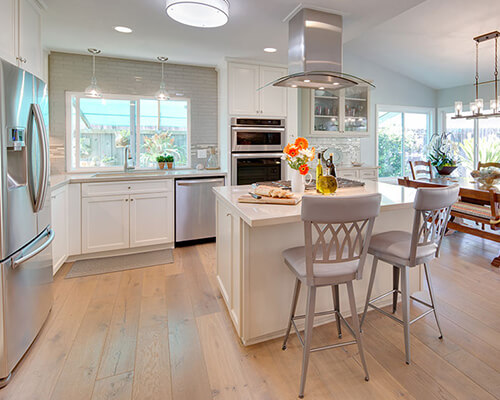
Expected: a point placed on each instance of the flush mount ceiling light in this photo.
(199, 13)
(93, 90)
(477, 106)
(123, 29)
(162, 93)
(270, 50)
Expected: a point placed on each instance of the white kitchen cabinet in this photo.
(8, 30)
(105, 223)
(30, 54)
(370, 173)
(246, 99)
(228, 252)
(59, 208)
(151, 219)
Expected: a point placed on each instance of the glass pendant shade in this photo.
(93, 90)
(479, 105)
(162, 93)
(199, 13)
(458, 107)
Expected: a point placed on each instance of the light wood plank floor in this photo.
(163, 333)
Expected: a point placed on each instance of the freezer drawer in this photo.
(195, 208)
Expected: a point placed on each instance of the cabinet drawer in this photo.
(368, 174)
(130, 187)
(350, 174)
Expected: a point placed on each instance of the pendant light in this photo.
(162, 94)
(476, 108)
(93, 90)
(199, 13)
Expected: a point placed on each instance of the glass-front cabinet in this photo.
(340, 113)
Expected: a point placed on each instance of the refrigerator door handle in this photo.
(49, 234)
(38, 199)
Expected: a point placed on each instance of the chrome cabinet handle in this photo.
(200, 181)
(50, 234)
(21, 59)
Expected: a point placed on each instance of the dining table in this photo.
(471, 194)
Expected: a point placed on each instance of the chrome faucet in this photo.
(128, 161)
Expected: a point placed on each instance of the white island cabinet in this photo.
(255, 283)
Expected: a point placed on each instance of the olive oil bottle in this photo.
(319, 172)
(327, 184)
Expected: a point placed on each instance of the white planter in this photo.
(297, 180)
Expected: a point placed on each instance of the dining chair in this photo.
(427, 171)
(405, 250)
(487, 164)
(341, 227)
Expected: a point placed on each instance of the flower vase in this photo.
(297, 180)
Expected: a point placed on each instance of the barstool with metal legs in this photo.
(405, 250)
(342, 228)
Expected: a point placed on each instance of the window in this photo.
(477, 140)
(402, 136)
(100, 129)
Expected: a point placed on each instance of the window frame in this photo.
(136, 99)
(430, 111)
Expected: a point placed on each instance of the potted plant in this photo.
(298, 156)
(161, 160)
(442, 153)
(169, 159)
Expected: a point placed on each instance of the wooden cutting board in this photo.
(246, 198)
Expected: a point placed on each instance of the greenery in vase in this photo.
(161, 144)
(442, 151)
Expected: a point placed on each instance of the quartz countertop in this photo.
(59, 180)
(255, 215)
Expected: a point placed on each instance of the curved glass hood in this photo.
(315, 53)
(319, 80)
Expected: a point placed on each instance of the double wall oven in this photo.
(256, 150)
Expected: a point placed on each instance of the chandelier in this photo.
(476, 108)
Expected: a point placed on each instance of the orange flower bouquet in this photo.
(298, 155)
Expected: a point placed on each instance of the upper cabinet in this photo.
(20, 34)
(340, 113)
(245, 98)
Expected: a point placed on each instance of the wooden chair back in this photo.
(488, 164)
(427, 170)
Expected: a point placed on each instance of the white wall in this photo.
(392, 88)
(465, 94)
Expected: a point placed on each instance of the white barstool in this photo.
(342, 230)
(405, 250)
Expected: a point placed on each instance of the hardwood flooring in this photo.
(163, 333)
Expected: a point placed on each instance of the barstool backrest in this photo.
(432, 211)
(343, 226)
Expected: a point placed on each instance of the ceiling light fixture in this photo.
(199, 13)
(162, 93)
(270, 50)
(93, 90)
(476, 108)
(123, 29)
(307, 80)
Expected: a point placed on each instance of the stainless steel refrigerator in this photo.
(25, 232)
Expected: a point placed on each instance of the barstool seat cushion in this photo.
(324, 274)
(394, 247)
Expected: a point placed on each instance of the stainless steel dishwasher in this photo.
(195, 208)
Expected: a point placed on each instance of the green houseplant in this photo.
(442, 153)
(161, 160)
(169, 159)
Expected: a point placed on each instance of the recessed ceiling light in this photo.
(123, 29)
(321, 88)
(270, 50)
(335, 83)
(199, 13)
(294, 85)
(307, 80)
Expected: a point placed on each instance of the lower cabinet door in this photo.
(224, 251)
(60, 226)
(105, 223)
(151, 219)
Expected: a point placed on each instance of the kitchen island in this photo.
(253, 279)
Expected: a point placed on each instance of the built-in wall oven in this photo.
(256, 150)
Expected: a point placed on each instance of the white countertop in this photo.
(57, 181)
(255, 215)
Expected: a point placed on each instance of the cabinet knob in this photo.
(21, 59)
(131, 199)
(126, 199)
(228, 214)
(129, 187)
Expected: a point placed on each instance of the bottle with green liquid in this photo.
(326, 184)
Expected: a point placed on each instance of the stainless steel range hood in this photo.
(315, 53)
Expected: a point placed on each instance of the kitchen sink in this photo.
(128, 173)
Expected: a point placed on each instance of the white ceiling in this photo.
(427, 40)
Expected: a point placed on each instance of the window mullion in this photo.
(403, 144)
(476, 143)
(138, 133)
(77, 133)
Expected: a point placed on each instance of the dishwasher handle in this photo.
(199, 181)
